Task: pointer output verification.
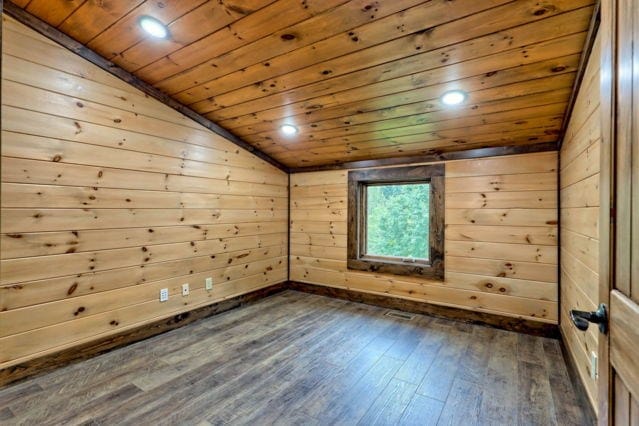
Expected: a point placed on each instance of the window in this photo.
(391, 209)
(396, 220)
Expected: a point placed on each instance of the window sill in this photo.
(432, 271)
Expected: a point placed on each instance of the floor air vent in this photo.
(400, 315)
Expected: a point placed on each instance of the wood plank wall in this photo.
(501, 238)
(579, 189)
(108, 196)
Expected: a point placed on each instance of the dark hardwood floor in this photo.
(296, 358)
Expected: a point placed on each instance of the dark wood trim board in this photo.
(59, 37)
(492, 320)
(288, 230)
(88, 350)
(581, 68)
(432, 158)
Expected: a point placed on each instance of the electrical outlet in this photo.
(594, 365)
(185, 289)
(164, 294)
(208, 283)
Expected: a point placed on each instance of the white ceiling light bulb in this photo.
(153, 27)
(454, 97)
(288, 129)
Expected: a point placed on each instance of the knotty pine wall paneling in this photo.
(109, 196)
(501, 238)
(579, 193)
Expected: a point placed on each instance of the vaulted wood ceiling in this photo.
(361, 79)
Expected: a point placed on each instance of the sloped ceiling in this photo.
(360, 79)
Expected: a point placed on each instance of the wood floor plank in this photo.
(225, 374)
(361, 338)
(407, 340)
(530, 349)
(324, 395)
(270, 375)
(80, 387)
(42, 410)
(301, 359)
(566, 406)
(104, 404)
(272, 407)
(390, 405)
(295, 419)
(475, 360)
(422, 411)
(218, 374)
(18, 392)
(5, 414)
(91, 373)
(535, 399)
(418, 363)
(439, 379)
(462, 405)
(352, 406)
(305, 360)
(321, 391)
(499, 404)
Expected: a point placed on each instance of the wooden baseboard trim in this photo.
(491, 320)
(88, 350)
(580, 390)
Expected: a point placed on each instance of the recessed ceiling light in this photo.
(288, 129)
(153, 27)
(454, 97)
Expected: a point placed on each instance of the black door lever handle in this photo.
(582, 319)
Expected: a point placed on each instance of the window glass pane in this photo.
(397, 219)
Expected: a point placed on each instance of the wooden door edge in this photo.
(606, 193)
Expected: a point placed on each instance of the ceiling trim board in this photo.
(78, 48)
(581, 69)
(444, 156)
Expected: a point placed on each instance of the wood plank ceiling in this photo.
(361, 79)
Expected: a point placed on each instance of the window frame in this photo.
(358, 182)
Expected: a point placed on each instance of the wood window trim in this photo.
(357, 182)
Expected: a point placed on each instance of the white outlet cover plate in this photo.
(164, 294)
(185, 289)
(208, 283)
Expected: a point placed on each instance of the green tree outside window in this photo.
(397, 220)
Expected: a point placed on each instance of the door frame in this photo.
(607, 229)
(608, 198)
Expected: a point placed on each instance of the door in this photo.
(621, 19)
